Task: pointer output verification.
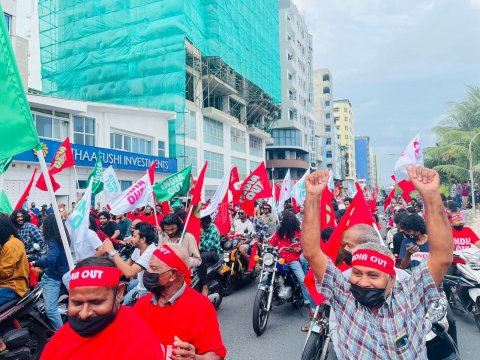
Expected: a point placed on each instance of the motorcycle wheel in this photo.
(38, 339)
(477, 317)
(220, 298)
(313, 347)
(227, 284)
(260, 312)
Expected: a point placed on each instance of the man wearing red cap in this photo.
(379, 318)
(97, 322)
(183, 320)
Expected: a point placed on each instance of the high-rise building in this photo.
(363, 161)
(213, 62)
(326, 129)
(19, 44)
(294, 143)
(344, 122)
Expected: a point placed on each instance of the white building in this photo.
(128, 138)
(294, 143)
(326, 129)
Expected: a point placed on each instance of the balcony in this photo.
(288, 163)
(219, 115)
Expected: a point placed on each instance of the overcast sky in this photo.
(398, 61)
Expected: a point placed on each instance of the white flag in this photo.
(331, 183)
(111, 185)
(78, 223)
(412, 155)
(285, 191)
(217, 197)
(299, 191)
(138, 195)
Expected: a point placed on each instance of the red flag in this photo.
(26, 193)
(222, 220)
(165, 207)
(357, 213)
(252, 262)
(296, 208)
(406, 186)
(327, 214)
(389, 198)
(151, 172)
(309, 282)
(233, 180)
(255, 186)
(197, 192)
(278, 188)
(62, 159)
(193, 223)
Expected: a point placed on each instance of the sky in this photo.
(399, 62)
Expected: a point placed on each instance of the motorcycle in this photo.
(277, 283)
(214, 280)
(24, 329)
(318, 337)
(464, 289)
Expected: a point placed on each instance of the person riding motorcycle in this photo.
(287, 240)
(242, 226)
(209, 248)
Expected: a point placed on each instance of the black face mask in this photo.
(369, 297)
(458, 227)
(347, 257)
(92, 325)
(150, 281)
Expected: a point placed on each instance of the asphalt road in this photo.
(284, 340)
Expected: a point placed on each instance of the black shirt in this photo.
(110, 228)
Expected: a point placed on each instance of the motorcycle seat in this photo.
(8, 305)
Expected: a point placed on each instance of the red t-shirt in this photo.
(127, 337)
(288, 256)
(192, 318)
(150, 219)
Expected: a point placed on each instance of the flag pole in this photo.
(63, 234)
(185, 225)
(378, 233)
(76, 179)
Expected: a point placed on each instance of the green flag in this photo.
(97, 176)
(173, 185)
(176, 204)
(4, 164)
(5, 206)
(18, 131)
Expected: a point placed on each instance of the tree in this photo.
(450, 155)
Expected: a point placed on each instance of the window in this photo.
(326, 77)
(254, 165)
(238, 139)
(327, 103)
(50, 127)
(336, 118)
(328, 128)
(191, 159)
(191, 125)
(292, 114)
(289, 137)
(8, 21)
(241, 165)
(161, 148)
(345, 110)
(84, 130)
(290, 57)
(346, 137)
(130, 143)
(326, 90)
(335, 109)
(255, 145)
(215, 164)
(212, 131)
(346, 127)
(329, 141)
(329, 155)
(289, 75)
(327, 116)
(125, 184)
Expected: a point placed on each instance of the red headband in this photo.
(375, 260)
(456, 217)
(94, 276)
(168, 256)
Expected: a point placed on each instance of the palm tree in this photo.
(450, 155)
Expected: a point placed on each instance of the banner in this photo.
(5, 206)
(96, 176)
(18, 130)
(138, 195)
(299, 191)
(62, 159)
(285, 191)
(217, 197)
(173, 185)
(111, 185)
(24, 198)
(255, 186)
(78, 222)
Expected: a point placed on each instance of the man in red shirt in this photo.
(183, 320)
(149, 216)
(97, 322)
(463, 236)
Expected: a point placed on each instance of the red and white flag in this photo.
(62, 159)
(222, 219)
(138, 195)
(255, 186)
(217, 197)
(285, 191)
(412, 155)
(24, 198)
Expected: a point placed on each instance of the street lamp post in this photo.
(470, 158)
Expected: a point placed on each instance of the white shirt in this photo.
(87, 247)
(239, 227)
(142, 260)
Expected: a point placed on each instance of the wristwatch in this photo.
(113, 253)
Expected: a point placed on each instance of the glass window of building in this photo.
(329, 141)
(241, 165)
(329, 155)
(326, 90)
(8, 21)
(50, 127)
(327, 103)
(254, 165)
(212, 131)
(326, 77)
(161, 148)
(125, 184)
(328, 128)
(335, 109)
(190, 125)
(255, 145)
(287, 137)
(238, 139)
(130, 143)
(215, 164)
(327, 116)
(191, 159)
(84, 130)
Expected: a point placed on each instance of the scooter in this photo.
(214, 280)
(23, 328)
(464, 290)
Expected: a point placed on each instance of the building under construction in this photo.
(216, 63)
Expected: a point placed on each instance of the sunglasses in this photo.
(241, 213)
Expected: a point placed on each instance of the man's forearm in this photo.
(439, 229)
(311, 226)
(208, 356)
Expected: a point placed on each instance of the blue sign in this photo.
(87, 155)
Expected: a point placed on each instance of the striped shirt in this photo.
(365, 336)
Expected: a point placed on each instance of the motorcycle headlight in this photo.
(268, 259)
(226, 257)
(437, 310)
